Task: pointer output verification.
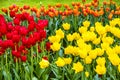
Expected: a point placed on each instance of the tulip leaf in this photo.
(54, 79)
(34, 78)
(5, 74)
(16, 74)
(96, 77)
(56, 72)
(60, 52)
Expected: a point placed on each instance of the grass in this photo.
(7, 3)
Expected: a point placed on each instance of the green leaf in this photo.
(16, 74)
(34, 78)
(56, 72)
(5, 74)
(54, 79)
(61, 53)
(76, 76)
(46, 77)
(96, 77)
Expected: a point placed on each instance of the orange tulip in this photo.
(107, 9)
(58, 5)
(60, 12)
(51, 14)
(4, 10)
(104, 3)
(66, 5)
(117, 7)
(85, 13)
(96, 4)
(21, 9)
(96, 14)
(42, 9)
(83, 1)
(11, 7)
(101, 12)
(95, 1)
(49, 5)
(26, 7)
(73, 3)
(52, 9)
(34, 9)
(63, 17)
(76, 12)
(56, 13)
(15, 9)
(87, 5)
(110, 16)
(92, 3)
(119, 12)
(46, 12)
(112, 11)
(70, 12)
(38, 14)
(116, 12)
(78, 4)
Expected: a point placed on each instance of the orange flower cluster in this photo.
(65, 10)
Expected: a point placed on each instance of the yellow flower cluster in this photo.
(56, 39)
(100, 68)
(88, 44)
(63, 61)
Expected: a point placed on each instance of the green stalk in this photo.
(75, 23)
(1, 66)
(37, 52)
(31, 62)
(7, 70)
(16, 66)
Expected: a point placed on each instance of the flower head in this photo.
(100, 69)
(60, 62)
(67, 60)
(87, 74)
(86, 23)
(44, 63)
(66, 26)
(60, 33)
(55, 46)
(78, 67)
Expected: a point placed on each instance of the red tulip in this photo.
(48, 46)
(23, 58)
(21, 48)
(42, 34)
(23, 31)
(45, 58)
(24, 41)
(16, 38)
(16, 21)
(12, 14)
(3, 30)
(1, 42)
(31, 26)
(9, 35)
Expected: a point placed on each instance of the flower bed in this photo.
(60, 42)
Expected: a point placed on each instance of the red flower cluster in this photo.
(18, 37)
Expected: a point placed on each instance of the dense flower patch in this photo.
(61, 42)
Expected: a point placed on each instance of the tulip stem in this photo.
(37, 51)
(31, 62)
(75, 23)
(7, 70)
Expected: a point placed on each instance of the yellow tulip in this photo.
(78, 67)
